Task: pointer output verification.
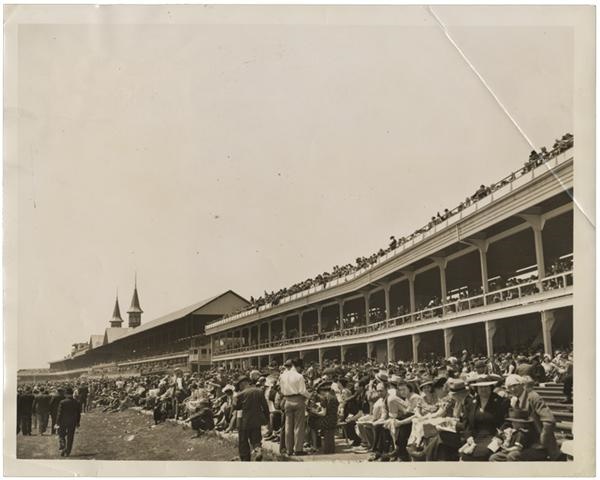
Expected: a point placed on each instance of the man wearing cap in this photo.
(251, 402)
(521, 442)
(543, 418)
(293, 389)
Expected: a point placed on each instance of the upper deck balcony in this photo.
(552, 292)
(511, 196)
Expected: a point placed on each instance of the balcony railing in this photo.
(498, 190)
(514, 292)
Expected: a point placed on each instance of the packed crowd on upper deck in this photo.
(535, 160)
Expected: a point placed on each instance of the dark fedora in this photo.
(242, 378)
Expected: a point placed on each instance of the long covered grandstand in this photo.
(494, 274)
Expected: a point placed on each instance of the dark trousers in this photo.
(53, 418)
(568, 387)
(26, 423)
(249, 439)
(382, 441)
(351, 433)
(328, 441)
(403, 434)
(43, 422)
(65, 438)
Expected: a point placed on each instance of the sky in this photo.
(249, 155)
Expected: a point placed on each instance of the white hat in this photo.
(513, 380)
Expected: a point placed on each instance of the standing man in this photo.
(83, 392)
(69, 416)
(26, 410)
(252, 404)
(293, 389)
(41, 406)
(55, 400)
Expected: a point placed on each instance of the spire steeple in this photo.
(116, 320)
(135, 311)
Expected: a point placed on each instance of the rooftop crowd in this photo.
(465, 407)
(535, 159)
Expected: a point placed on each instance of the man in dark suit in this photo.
(41, 407)
(26, 410)
(69, 416)
(255, 413)
(55, 400)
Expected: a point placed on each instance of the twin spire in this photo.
(134, 312)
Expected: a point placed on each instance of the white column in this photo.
(341, 304)
(448, 335)
(548, 320)
(319, 319)
(391, 350)
(416, 340)
(442, 263)
(490, 332)
(386, 290)
(283, 327)
(367, 308)
(270, 332)
(321, 357)
(537, 224)
(343, 353)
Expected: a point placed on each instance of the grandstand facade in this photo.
(174, 340)
(494, 276)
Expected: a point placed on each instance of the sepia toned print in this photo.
(279, 243)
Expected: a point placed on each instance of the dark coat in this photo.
(489, 420)
(41, 403)
(69, 413)
(26, 403)
(54, 402)
(254, 407)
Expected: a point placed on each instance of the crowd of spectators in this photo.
(501, 288)
(322, 280)
(395, 411)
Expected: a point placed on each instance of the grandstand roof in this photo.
(113, 333)
(199, 308)
(96, 340)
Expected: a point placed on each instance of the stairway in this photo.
(552, 394)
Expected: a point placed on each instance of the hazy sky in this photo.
(249, 156)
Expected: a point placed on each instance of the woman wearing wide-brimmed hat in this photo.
(484, 414)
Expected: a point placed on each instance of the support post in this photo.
(416, 340)
(490, 332)
(391, 350)
(321, 357)
(448, 336)
(536, 221)
(300, 324)
(341, 314)
(442, 262)
(270, 333)
(342, 353)
(386, 290)
(548, 320)
(367, 306)
(319, 319)
(411, 289)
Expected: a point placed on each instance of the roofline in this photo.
(133, 332)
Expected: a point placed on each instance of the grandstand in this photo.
(173, 340)
(493, 275)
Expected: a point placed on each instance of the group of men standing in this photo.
(60, 409)
(254, 411)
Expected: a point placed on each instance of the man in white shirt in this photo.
(293, 389)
